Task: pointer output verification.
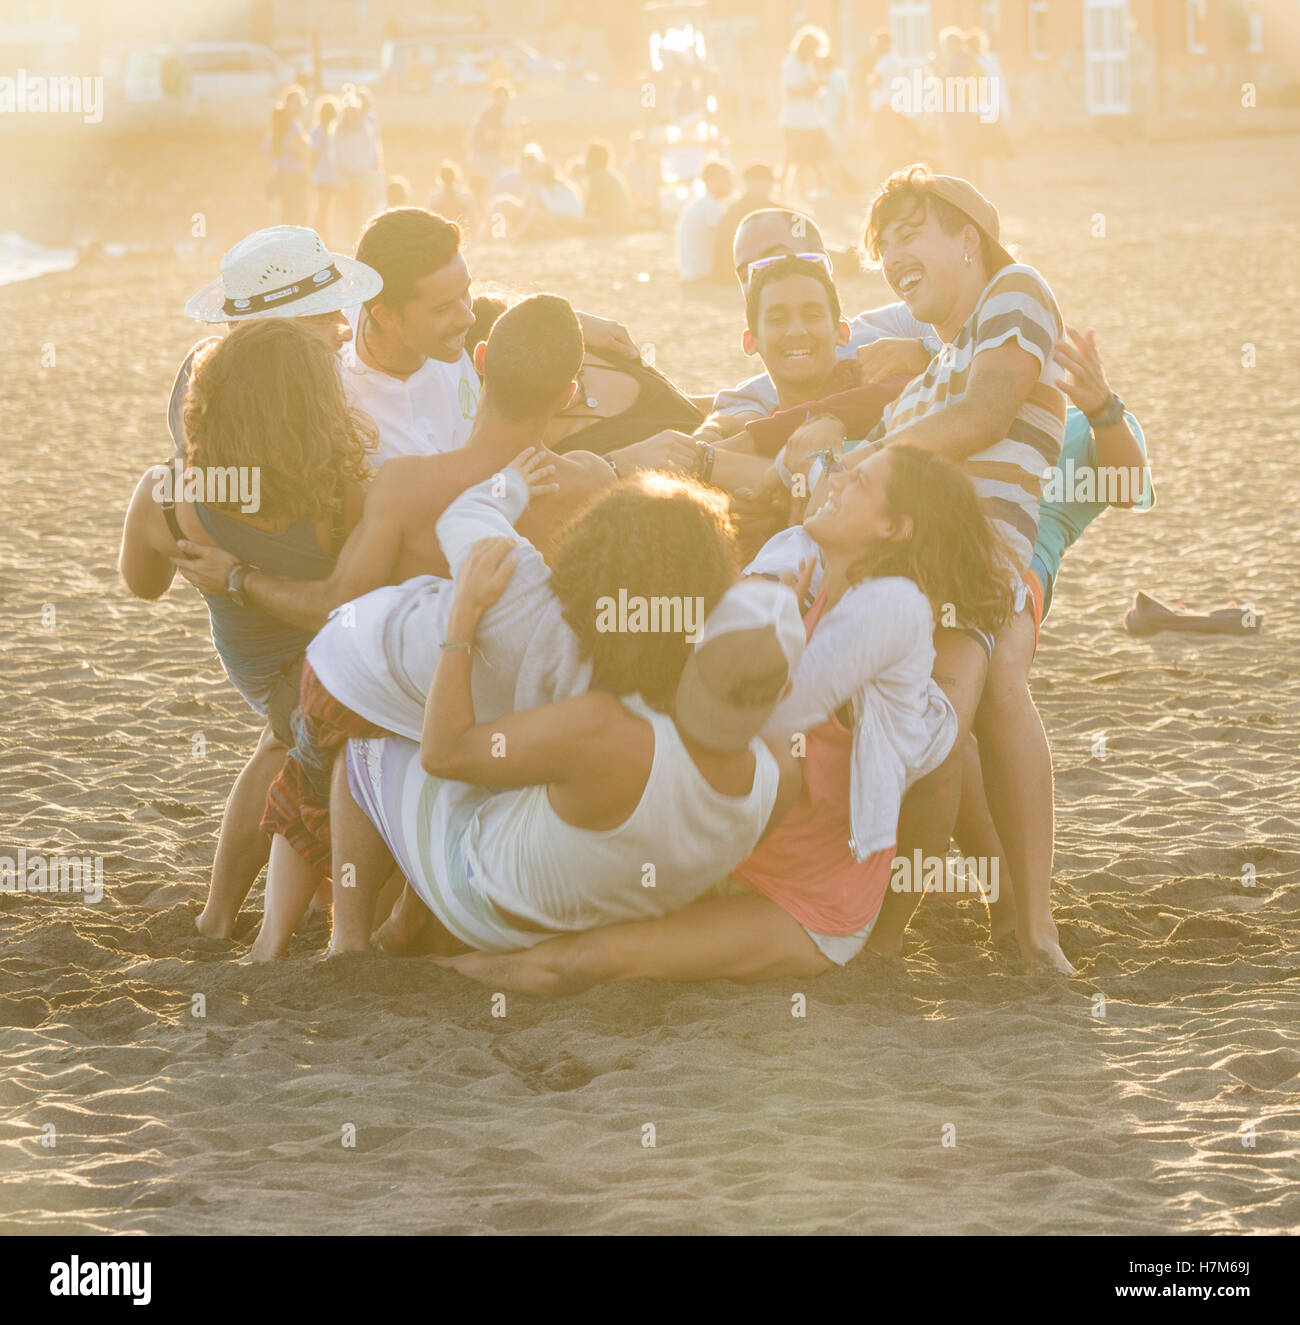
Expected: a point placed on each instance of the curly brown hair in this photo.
(654, 535)
(954, 555)
(269, 396)
(900, 195)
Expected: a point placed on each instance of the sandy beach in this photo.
(1157, 1092)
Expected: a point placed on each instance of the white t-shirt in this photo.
(427, 413)
(696, 228)
(801, 100)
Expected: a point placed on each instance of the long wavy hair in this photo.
(654, 535)
(954, 555)
(269, 396)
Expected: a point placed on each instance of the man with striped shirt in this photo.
(989, 400)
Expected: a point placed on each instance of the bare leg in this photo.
(362, 864)
(977, 836)
(242, 847)
(744, 938)
(1017, 763)
(930, 807)
(290, 883)
(405, 927)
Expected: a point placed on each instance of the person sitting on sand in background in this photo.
(397, 191)
(627, 801)
(697, 226)
(642, 170)
(267, 401)
(370, 666)
(606, 202)
(453, 200)
(552, 207)
(901, 536)
(758, 182)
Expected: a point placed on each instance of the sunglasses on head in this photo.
(758, 264)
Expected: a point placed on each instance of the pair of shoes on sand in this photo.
(1148, 615)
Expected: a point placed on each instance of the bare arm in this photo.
(1116, 447)
(571, 744)
(368, 559)
(144, 559)
(1000, 381)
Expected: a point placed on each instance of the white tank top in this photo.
(682, 838)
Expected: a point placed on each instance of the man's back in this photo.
(413, 491)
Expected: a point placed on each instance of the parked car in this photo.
(455, 60)
(205, 71)
(339, 69)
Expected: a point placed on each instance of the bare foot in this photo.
(332, 953)
(256, 956)
(402, 932)
(213, 927)
(1044, 957)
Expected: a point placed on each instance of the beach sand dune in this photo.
(153, 1084)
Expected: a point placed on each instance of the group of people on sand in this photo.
(570, 676)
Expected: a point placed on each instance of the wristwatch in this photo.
(235, 577)
(1111, 413)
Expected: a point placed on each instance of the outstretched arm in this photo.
(745, 938)
(1116, 446)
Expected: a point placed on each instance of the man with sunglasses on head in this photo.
(886, 341)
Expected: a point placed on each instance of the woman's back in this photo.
(681, 837)
(253, 645)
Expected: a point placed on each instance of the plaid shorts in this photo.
(298, 803)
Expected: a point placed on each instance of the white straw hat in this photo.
(283, 271)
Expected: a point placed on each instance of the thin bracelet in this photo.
(455, 644)
(703, 461)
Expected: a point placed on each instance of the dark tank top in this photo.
(658, 405)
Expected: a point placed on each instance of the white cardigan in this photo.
(876, 648)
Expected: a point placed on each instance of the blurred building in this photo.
(1067, 58)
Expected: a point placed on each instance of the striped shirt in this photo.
(1008, 476)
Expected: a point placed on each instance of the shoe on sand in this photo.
(1148, 615)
